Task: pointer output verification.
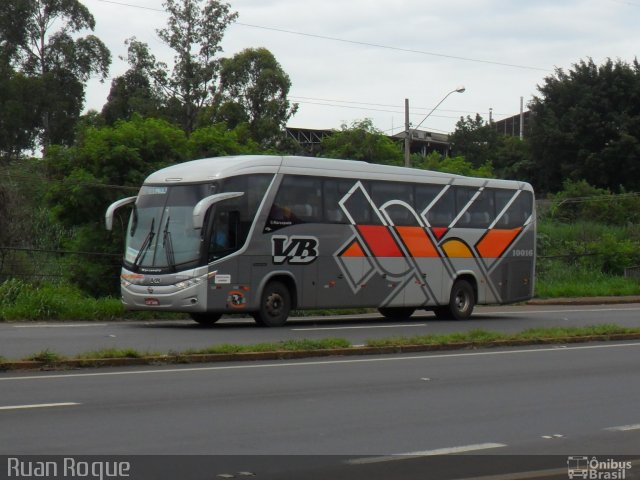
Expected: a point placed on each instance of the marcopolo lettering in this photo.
(294, 250)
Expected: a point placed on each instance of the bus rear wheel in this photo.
(461, 302)
(396, 313)
(205, 319)
(275, 305)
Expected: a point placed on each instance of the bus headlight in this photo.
(188, 283)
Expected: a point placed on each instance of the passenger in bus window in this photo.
(281, 217)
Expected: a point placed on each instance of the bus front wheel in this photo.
(461, 302)
(396, 313)
(275, 305)
(206, 319)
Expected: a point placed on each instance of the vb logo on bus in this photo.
(294, 250)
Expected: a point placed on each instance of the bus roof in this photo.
(207, 169)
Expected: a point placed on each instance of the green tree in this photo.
(61, 62)
(105, 164)
(19, 114)
(361, 141)
(217, 140)
(457, 165)
(474, 139)
(254, 89)
(587, 126)
(138, 90)
(130, 93)
(513, 160)
(194, 32)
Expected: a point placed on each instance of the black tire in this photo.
(462, 300)
(205, 319)
(396, 313)
(275, 305)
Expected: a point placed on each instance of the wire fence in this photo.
(29, 263)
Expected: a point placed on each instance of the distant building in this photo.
(309, 139)
(422, 141)
(511, 126)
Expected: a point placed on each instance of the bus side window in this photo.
(298, 200)
(383, 192)
(333, 191)
(519, 211)
(463, 196)
(225, 233)
(442, 213)
(425, 194)
(482, 211)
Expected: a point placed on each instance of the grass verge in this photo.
(480, 338)
(328, 346)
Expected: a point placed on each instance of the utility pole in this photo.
(521, 118)
(407, 135)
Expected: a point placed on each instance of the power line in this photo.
(623, 2)
(399, 49)
(355, 42)
(370, 109)
(294, 97)
(142, 7)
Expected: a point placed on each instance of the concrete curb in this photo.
(585, 300)
(299, 354)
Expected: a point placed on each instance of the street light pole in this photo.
(407, 139)
(407, 134)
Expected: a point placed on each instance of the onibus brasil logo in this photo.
(593, 468)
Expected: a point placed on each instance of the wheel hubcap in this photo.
(461, 302)
(274, 305)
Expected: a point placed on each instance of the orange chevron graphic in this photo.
(353, 250)
(495, 242)
(417, 242)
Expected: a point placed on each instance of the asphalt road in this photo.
(349, 415)
(18, 340)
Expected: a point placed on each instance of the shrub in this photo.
(22, 301)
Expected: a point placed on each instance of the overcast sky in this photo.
(356, 59)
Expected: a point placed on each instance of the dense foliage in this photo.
(361, 141)
(253, 90)
(587, 126)
(59, 62)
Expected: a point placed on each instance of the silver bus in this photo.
(263, 235)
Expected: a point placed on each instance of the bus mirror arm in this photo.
(108, 216)
(200, 210)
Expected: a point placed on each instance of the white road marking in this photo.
(380, 359)
(426, 453)
(624, 428)
(78, 325)
(39, 405)
(577, 310)
(364, 327)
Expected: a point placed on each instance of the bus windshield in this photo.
(161, 234)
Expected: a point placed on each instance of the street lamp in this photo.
(407, 139)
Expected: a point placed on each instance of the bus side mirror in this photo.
(108, 216)
(200, 210)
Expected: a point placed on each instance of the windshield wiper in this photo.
(167, 244)
(146, 244)
(134, 220)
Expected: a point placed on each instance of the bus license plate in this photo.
(151, 301)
